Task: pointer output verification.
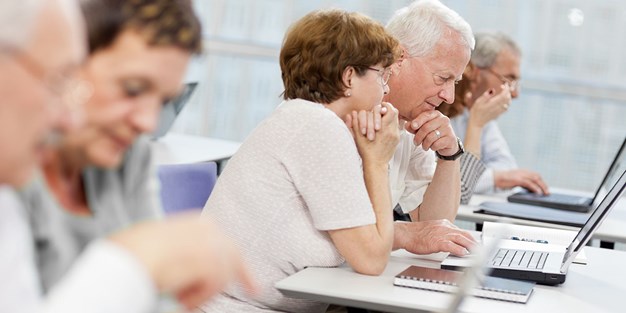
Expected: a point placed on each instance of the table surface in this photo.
(595, 287)
(613, 229)
(180, 149)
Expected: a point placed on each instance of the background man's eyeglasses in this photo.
(513, 83)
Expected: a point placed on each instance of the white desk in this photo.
(596, 287)
(180, 149)
(613, 229)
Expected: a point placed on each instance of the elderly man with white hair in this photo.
(42, 42)
(425, 171)
(490, 81)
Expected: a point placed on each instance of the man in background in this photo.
(490, 81)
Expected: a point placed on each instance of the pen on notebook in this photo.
(529, 240)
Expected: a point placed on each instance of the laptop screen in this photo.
(596, 218)
(617, 167)
(171, 110)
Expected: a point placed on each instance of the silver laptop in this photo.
(550, 268)
(576, 203)
(474, 274)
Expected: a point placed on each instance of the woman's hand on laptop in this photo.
(427, 237)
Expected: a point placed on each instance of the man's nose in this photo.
(447, 93)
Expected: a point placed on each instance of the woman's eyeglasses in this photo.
(385, 74)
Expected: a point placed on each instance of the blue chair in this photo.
(186, 187)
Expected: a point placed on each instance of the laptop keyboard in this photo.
(510, 258)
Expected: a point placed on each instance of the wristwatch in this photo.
(455, 156)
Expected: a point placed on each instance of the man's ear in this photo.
(404, 54)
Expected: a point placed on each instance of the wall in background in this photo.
(571, 113)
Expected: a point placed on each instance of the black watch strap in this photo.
(455, 156)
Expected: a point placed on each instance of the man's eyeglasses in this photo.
(385, 74)
(513, 83)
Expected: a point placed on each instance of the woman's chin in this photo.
(108, 160)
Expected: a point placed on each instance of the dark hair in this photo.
(161, 22)
(320, 46)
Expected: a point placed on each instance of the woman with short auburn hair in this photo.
(305, 189)
(100, 179)
(315, 74)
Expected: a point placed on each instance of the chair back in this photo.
(186, 187)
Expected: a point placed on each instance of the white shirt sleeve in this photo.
(20, 290)
(419, 175)
(105, 279)
(410, 172)
(495, 152)
(496, 155)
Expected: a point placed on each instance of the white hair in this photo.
(420, 25)
(489, 46)
(17, 19)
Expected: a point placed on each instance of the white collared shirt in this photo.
(410, 172)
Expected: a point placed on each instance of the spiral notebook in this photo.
(446, 281)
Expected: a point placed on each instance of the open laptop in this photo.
(474, 274)
(576, 203)
(550, 268)
(171, 110)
